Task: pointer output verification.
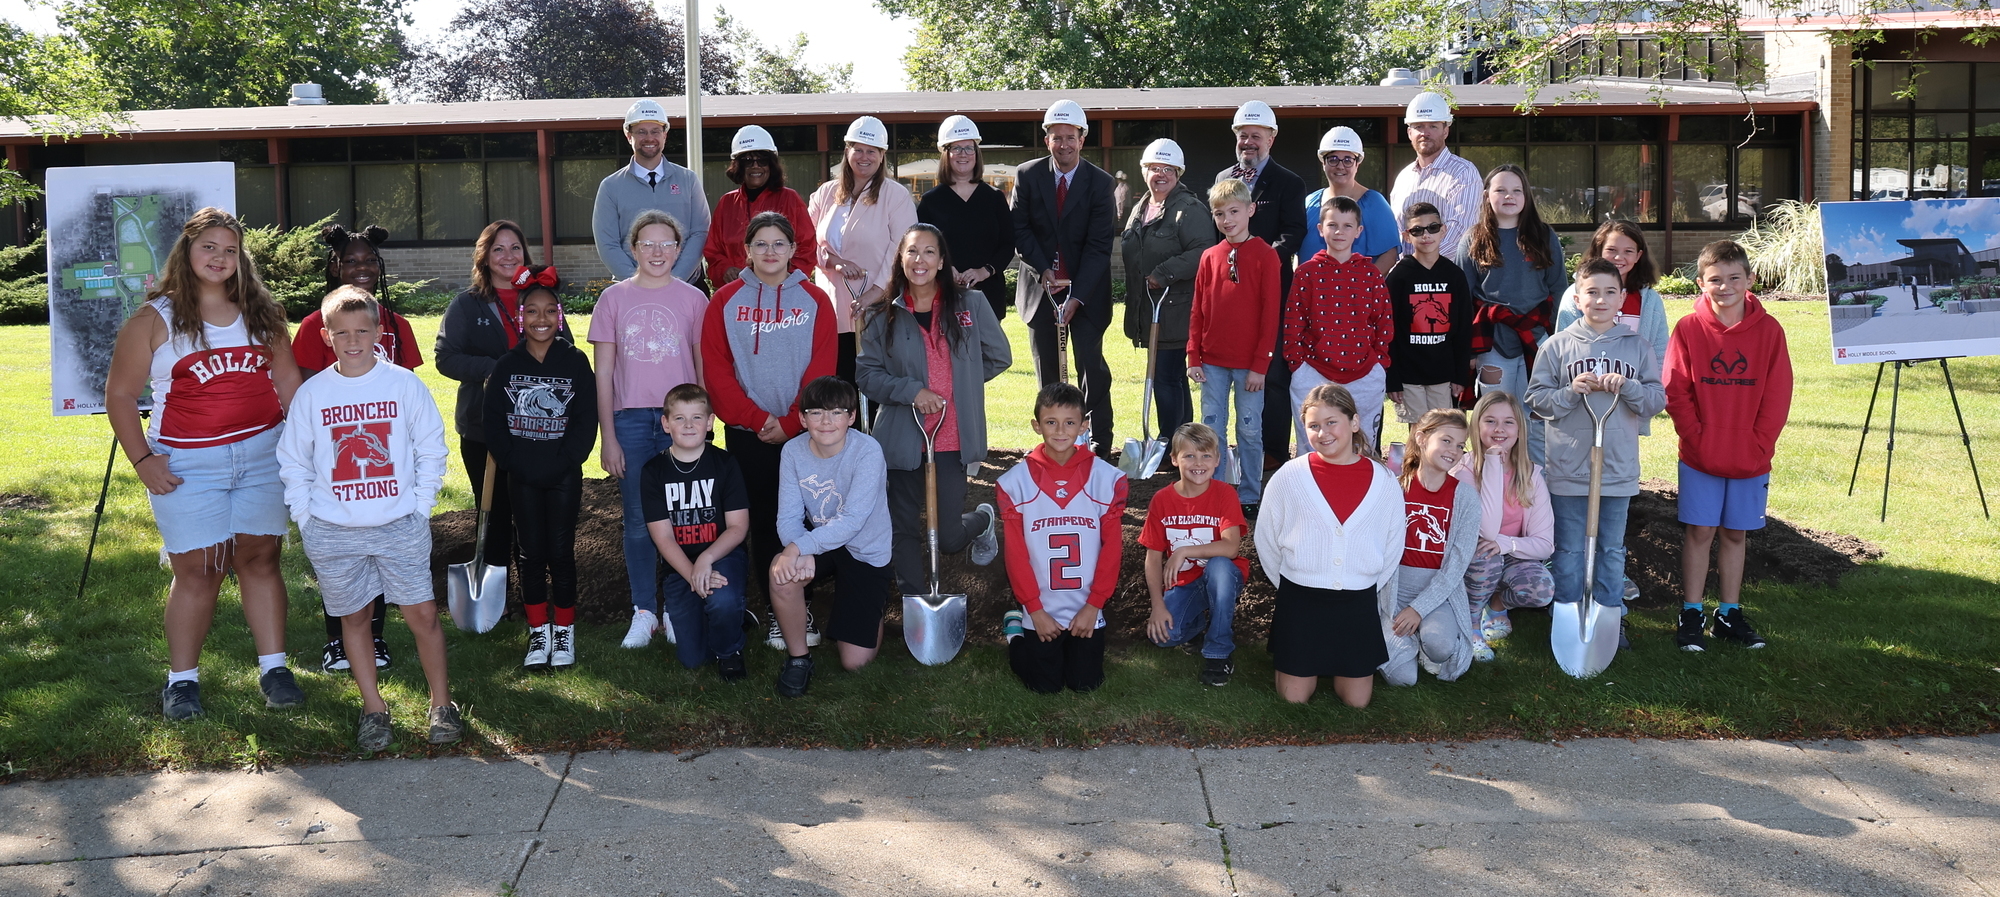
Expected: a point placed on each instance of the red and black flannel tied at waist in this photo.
(1491, 315)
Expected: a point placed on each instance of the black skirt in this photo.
(1326, 632)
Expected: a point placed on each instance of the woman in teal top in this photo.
(1340, 156)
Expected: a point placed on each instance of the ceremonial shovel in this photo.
(934, 624)
(475, 591)
(1583, 634)
(1141, 459)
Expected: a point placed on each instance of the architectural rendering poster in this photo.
(110, 228)
(1912, 280)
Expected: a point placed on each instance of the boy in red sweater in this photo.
(1231, 329)
(1341, 322)
(1729, 390)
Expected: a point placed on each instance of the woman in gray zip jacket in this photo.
(932, 346)
(1164, 237)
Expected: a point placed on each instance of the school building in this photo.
(1690, 159)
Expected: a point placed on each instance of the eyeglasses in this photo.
(1232, 267)
(650, 245)
(820, 414)
(1339, 161)
(762, 246)
(963, 150)
(1418, 230)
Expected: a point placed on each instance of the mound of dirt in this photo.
(1781, 552)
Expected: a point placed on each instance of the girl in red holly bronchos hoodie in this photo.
(1729, 390)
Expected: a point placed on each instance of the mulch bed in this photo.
(1781, 552)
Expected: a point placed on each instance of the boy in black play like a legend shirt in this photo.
(698, 513)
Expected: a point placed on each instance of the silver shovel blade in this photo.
(1232, 466)
(1133, 459)
(1583, 635)
(934, 627)
(476, 595)
(1156, 452)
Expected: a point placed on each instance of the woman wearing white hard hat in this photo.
(760, 187)
(1340, 155)
(978, 226)
(1165, 235)
(858, 217)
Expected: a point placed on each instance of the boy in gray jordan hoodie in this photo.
(1594, 355)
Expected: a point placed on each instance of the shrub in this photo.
(1786, 251)
(24, 283)
(293, 265)
(1677, 283)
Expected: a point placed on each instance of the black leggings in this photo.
(759, 462)
(545, 529)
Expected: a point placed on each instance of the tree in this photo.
(1054, 44)
(563, 49)
(191, 54)
(53, 83)
(766, 70)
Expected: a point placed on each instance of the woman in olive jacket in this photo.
(1164, 238)
(926, 323)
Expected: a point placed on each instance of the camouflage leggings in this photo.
(1520, 583)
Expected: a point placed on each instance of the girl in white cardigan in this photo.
(1430, 627)
(1331, 537)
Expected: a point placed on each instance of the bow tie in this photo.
(1244, 173)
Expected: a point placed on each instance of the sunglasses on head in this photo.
(1418, 230)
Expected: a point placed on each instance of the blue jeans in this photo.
(1207, 603)
(1572, 513)
(712, 627)
(1218, 386)
(1514, 377)
(640, 437)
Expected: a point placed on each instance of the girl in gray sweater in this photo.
(1515, 265)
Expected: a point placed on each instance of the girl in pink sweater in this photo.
(1516, 525)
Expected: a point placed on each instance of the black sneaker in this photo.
(1624, 641)
(181, 700)
(280, 689)
(730, 667)
(333, 659)
(1688, 633)
(795, 677)
(1215, 671)
(1734, 627)
(382, 659)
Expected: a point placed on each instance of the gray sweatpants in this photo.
(1435, 635)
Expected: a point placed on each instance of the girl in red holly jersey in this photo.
(204, 343)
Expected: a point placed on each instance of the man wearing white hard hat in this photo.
(1064, 222)
(759, 176)
(1280, 220)
(649, 181)
(1438, 176)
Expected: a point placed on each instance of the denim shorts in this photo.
(225, 491)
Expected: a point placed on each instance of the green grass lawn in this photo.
(1908, 644)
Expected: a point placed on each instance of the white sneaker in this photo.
(538, 648)
(986, 545)
(562, 646)
(667, 629)
(774, 637)
(641, 633)
(812, 630)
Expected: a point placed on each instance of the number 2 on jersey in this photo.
(1063, 550)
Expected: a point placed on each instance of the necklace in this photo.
(677, 463)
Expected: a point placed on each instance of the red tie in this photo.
(1062, 192)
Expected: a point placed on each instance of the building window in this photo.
(1650, 57)
(423, 189)
(1729, 169)
(1920, 145)
(1582, 169)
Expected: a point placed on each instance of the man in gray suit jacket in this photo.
(1064, 221)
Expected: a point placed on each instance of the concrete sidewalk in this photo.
(1702, 818)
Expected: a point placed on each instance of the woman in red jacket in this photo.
(760, 187)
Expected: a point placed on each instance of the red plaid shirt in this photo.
(1338, 319)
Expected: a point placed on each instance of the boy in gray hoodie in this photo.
(1594, 355)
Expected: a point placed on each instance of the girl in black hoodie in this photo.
(541, 425)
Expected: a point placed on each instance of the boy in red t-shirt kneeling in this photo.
(1193, 537)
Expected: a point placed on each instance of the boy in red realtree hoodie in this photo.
(1729, 390)
(1341, 323)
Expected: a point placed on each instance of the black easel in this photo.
(1896, 392)
(102, 492)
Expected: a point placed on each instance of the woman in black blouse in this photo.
(978, 227)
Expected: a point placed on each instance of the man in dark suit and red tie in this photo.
(1064, 221)
(1280, 220)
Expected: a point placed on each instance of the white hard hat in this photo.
(1343, 139)
(1164, 152)
(869, 131)
(955, 129)
(1066, 112)
(644, 110)
(750, 139)
(1428, 106)
(1255, 112)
